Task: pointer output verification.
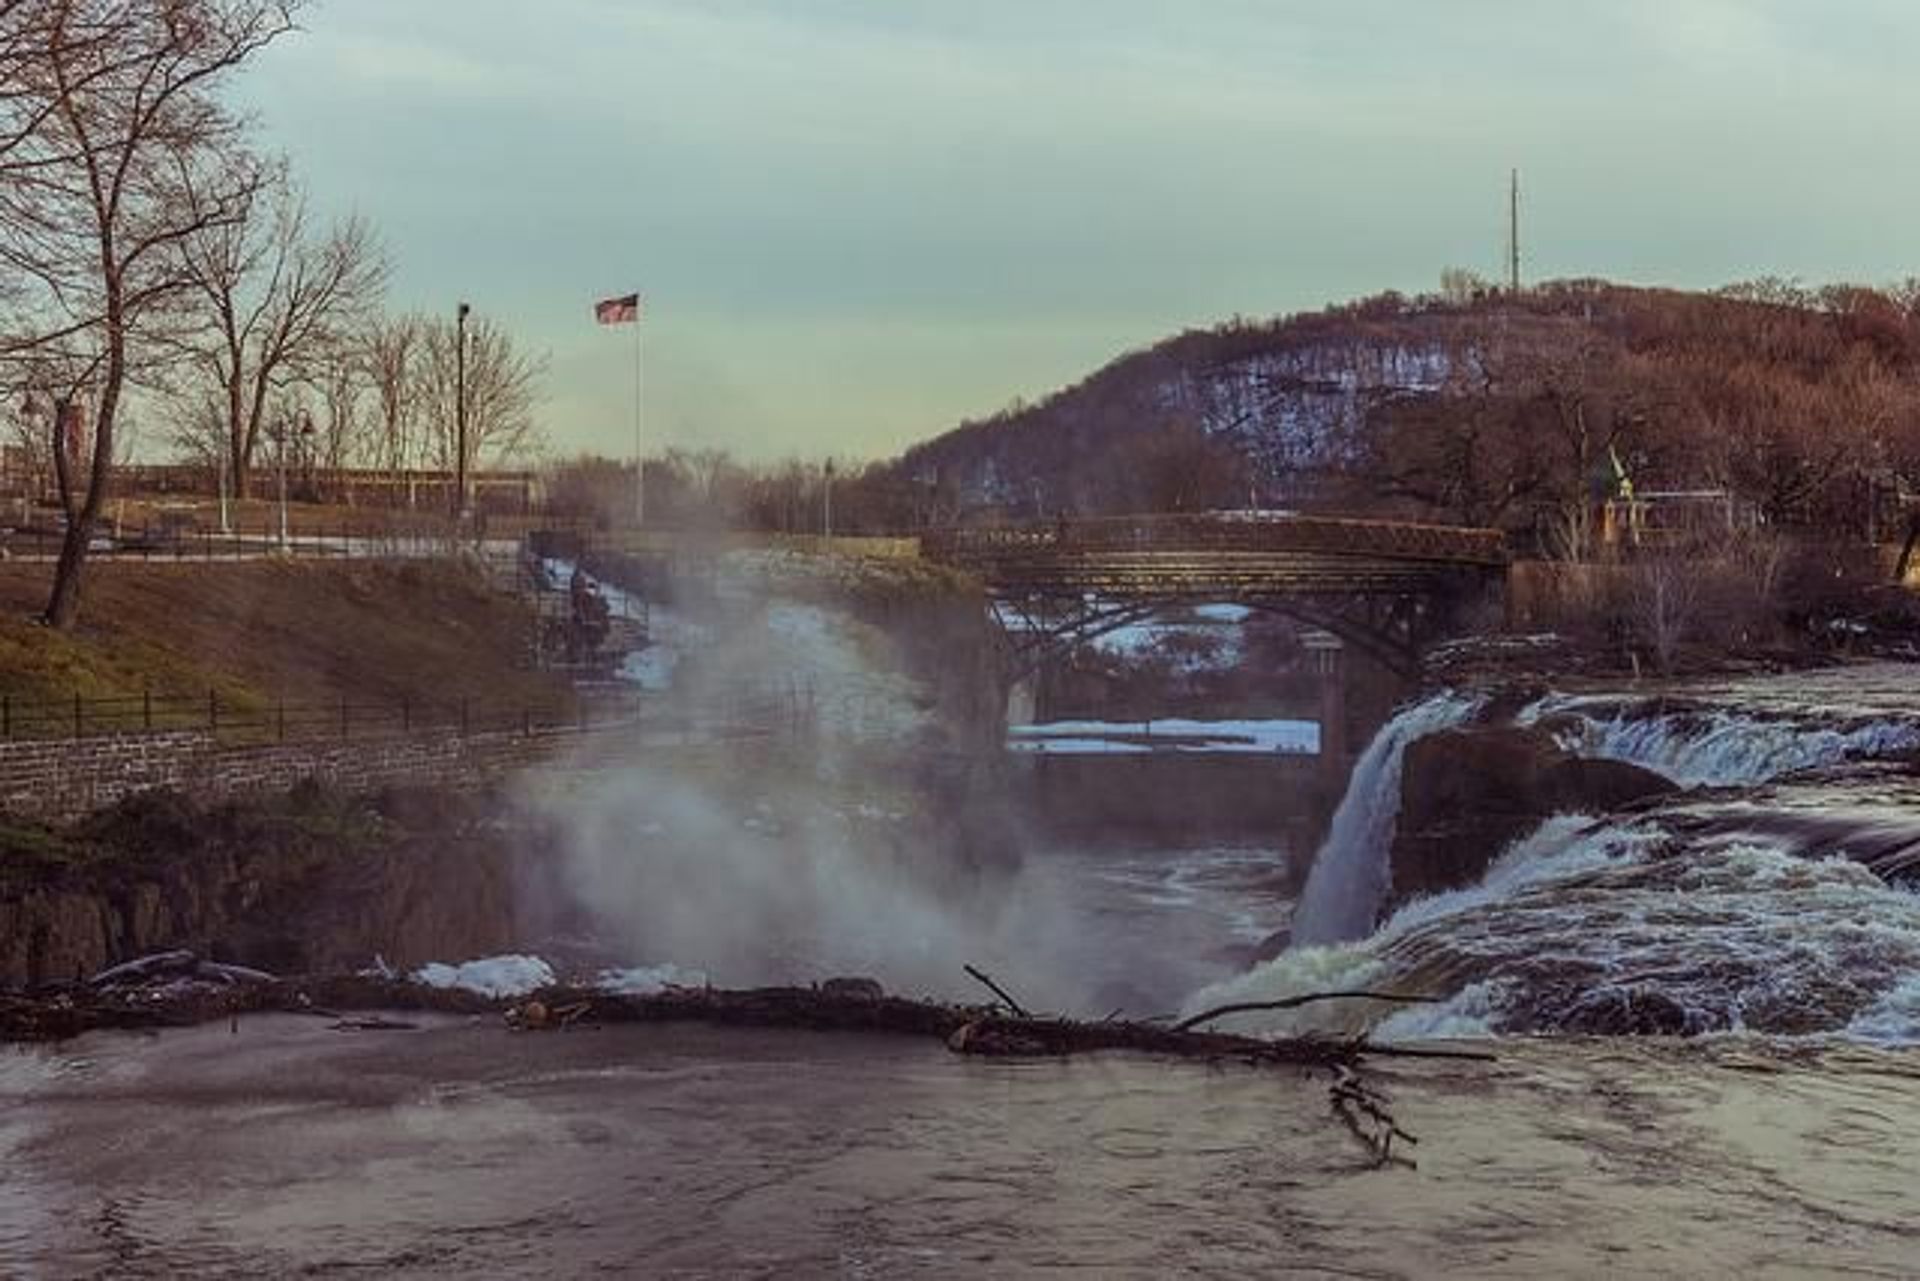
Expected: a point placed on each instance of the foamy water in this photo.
(1756, 909)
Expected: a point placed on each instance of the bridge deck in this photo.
(1175, 555)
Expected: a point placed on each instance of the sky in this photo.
(856, 223)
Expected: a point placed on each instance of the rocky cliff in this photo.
(310, 881)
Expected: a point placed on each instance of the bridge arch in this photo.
(1034, 646)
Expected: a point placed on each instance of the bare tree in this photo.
(119, 152)
(390, 348)
(337, 376)
(273, 299)
(502, 383)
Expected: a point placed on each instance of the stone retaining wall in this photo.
(59, 780)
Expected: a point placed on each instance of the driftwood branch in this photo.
(1364, 1109)
(982, 977)
(1295, 1002)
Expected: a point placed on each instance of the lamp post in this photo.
(285, 430)
(281, 440)
(460, 411)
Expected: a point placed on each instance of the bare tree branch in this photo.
(116, 152)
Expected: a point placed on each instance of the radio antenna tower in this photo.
(1513, 232)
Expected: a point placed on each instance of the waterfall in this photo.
(1779, 899)
(1350, 872)
(1716, 747)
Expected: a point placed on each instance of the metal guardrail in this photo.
(1440, 545)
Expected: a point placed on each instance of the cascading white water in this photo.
(1718, 747)
(1782, 902)
(1350, 872)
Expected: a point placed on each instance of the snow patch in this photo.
(648, 980)
(1093, 738)
(494, 976)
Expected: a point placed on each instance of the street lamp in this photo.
(460, 411)
(285, 429)
(226, 523)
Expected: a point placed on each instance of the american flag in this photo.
(618, 311)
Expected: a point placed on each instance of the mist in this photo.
(839, 846)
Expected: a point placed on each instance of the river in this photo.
(460, 1149)
(1764, 919)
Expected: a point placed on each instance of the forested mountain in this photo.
(1486, 407)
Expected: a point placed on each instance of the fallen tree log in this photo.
(61, 1013)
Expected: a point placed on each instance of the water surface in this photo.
(462, 1149)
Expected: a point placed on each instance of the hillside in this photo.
(1504, 409)
(260, 631)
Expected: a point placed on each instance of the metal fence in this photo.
(750, 712)
(240, 542)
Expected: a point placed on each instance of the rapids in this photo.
(1776, 895)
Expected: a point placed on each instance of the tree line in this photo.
(710, 489)
(152, 254)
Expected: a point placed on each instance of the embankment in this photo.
(306, 881)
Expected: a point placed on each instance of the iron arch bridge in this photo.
(1385, 588)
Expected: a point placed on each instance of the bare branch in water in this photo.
(1295, 1002)
(982, 977)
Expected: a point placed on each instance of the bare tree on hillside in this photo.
(1591, 402)
(271, 296)
(1468, 454)
(118, 152)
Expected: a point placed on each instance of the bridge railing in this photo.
(1221, 532)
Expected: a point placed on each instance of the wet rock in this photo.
(986, 1037)
(1467, 794)
(853, 989)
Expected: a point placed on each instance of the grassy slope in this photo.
(257, 631)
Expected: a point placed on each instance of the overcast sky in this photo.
(856, 222)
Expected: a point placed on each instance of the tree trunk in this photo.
(236, 424)
(63, 603)
(63, 606)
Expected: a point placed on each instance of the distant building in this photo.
(1651, 517)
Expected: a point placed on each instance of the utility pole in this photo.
(826, 513)
(1513, 232)
(460, 412)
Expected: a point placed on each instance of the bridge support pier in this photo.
(1023, 700)
(1330, 664)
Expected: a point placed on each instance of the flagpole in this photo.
(639, 422)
